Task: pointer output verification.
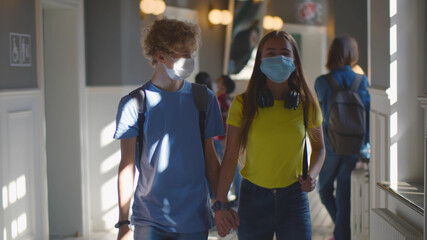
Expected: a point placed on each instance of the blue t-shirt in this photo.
(344, 77)
(172, 192)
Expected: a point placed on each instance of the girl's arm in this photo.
(316, 159)
(211, 164)
(317, 150)
(229, 162)
(227, 219)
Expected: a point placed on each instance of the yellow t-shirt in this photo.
(275, 147)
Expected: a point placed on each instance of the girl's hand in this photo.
(225, 220)
(308, 184)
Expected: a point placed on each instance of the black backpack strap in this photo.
(356, 82)
(200, 96)
(139, 96)
(332, 82)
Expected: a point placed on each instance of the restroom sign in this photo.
(20, 49)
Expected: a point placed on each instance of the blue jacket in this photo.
(344, 77)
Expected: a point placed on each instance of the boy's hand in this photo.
(226, 220)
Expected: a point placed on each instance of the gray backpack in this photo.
(200, 97)
(347, 117)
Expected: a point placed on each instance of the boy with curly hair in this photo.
(171, 197)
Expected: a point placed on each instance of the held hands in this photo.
(308, 184)
(225, 220)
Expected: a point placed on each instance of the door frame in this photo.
(77, 6)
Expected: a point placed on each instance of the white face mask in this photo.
(182, 68)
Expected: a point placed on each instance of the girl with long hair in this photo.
(269, 122)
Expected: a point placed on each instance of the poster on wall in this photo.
(242, 39)
(245, 35)
(309, 12)
(20, 49)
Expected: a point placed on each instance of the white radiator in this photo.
(388, 226)
(359, 205)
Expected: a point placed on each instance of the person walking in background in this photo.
(204, 78)
(224, 87)
(270, 121)
(171, 197)
(342, 153)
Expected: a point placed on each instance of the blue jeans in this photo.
(263, 212)
(337, 167)
(154, 233)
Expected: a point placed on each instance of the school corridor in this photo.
(65, 64)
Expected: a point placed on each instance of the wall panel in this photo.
(23, 193)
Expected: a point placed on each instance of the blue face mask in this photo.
(277, 68)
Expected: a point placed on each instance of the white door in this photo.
(64, 80)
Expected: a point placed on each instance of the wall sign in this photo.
(20, 49)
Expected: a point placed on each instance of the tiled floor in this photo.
(322, 226)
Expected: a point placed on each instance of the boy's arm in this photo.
(125, 180)
(211, 165)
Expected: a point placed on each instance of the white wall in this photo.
(63, 81)
(410, 82)
(104, 155)
(313, 49)
(23, 214)
(397, 142)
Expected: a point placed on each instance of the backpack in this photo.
(347, 117)
(200, 97)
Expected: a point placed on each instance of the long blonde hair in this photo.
(258, 80)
